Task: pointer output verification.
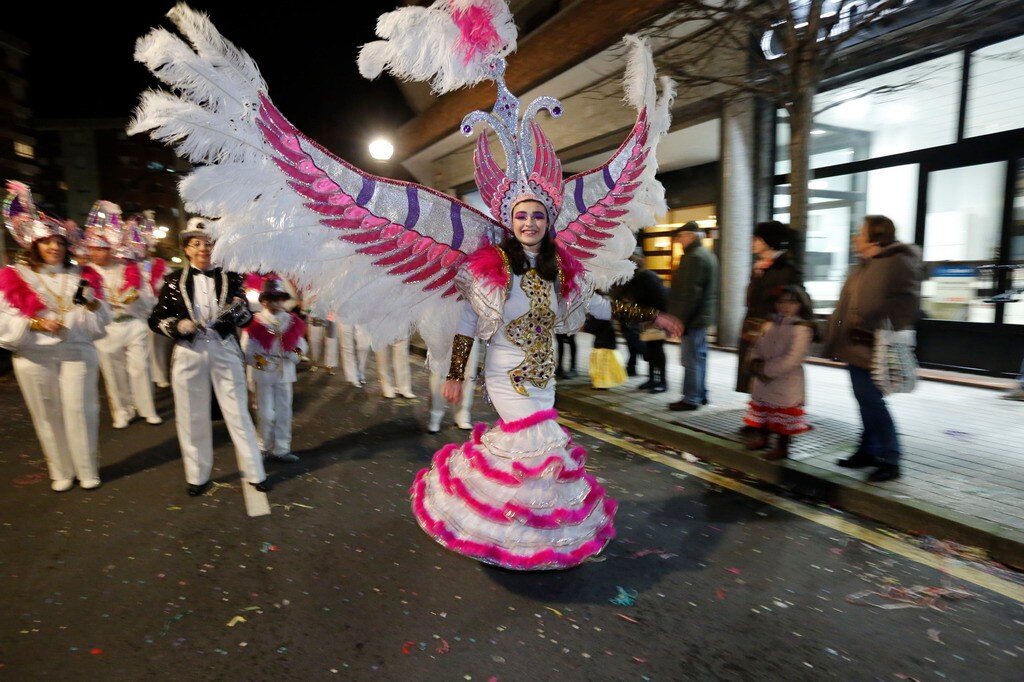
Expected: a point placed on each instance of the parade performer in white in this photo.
(200, 307)
(274, 344)
(124, 351)
(51, 314)
(393, 256)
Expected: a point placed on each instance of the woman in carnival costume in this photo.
(393, 256)
(51, 313)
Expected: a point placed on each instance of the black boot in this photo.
(858, 460)
(658, 375)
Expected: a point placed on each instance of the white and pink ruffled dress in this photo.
(518, 495)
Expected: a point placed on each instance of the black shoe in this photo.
(858, 460)
(263, 486)
(884, 472)
(659, 388)
(647, 385)
(631, 370)
(683, 406)
(197, 490)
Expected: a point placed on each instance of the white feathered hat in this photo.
(196, 228)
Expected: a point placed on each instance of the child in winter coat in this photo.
(273, 346)
(777, 390)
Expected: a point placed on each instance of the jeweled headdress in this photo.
(26, 223)
(104, 226)
(137, 236)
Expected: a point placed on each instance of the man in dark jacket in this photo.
(884, 288)
(693, 298)
(200, 308)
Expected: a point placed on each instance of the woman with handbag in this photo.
(882, 293)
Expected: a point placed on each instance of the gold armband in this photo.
(460, 356)
(631, 312)
(36, 324)
(131, 296)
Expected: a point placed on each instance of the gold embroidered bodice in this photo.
(532, 333)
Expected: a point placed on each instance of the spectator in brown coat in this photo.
(884, 289)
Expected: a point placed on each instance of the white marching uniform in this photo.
(124, 353)
(57, 373)
(438, 404)
(394, 356)
(274, 375)
(160, 347)
(355, 350)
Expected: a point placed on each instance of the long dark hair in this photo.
(547, 258)
(35, 261)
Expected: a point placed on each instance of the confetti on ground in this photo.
(625, 617)
(690, 458)
(933, 635)
(235, 621)
(656, 551)
(96, 652)
(268, 547)
(734, 571)
(719, 593)
(916, 597)
(554, 611)
(624, 597)
(407, 647)
(443, 648)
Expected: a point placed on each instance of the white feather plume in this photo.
(423, 44)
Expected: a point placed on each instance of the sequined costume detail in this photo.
(461, 347)
(532, 334)
(633, 313)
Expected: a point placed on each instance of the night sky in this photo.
(81, 63)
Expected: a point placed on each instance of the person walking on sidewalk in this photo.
(693, 299)
(884, 289)
(777, 372)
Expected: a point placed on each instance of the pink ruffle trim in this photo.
(95, 281)
(156, 275)
(488, 266)
(512, 512)
(132, 277)
(521, 473)
(289, 340)
(18, 293)
(545, 559)
(527, 422)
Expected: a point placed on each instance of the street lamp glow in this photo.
(381, 149)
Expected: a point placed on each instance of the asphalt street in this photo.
(707, 579)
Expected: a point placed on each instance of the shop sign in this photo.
(837, 18)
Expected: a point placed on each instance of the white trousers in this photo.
(355, 349)
(59, 386)
(124, 362)
(323, 344)
(437, 401)
(275, 415)
(397, 356)
(160, 348)
(211, 360)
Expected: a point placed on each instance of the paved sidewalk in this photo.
(963, 466)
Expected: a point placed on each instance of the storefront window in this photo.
(837, 207)
(997, 75)
(905, 110)
(962, 231)
(1013, 313)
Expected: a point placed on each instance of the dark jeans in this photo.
(655, 354)
(878, 438)
(563, 341)
(695, 366)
